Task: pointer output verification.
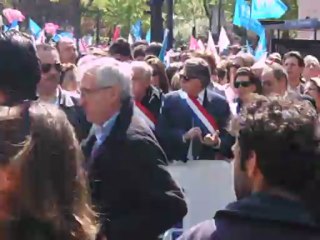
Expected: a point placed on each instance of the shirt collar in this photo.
(201, 96)
(102, 132)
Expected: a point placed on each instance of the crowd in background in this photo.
(84, 140)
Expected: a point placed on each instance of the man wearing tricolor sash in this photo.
(147, 98)
(193, 121)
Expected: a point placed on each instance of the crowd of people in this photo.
(85, 140)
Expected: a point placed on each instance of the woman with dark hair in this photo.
(246, 85)
(47, 188)
(159, 78)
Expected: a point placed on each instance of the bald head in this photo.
(274, 79)
(68, 51)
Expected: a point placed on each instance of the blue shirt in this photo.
(102, 132)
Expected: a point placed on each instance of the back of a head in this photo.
(139, 52)
(19, 67)
(51, 188)
(120, 47)
(139, 43)
(154, 49)
(282, 133)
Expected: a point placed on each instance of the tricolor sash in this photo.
(145, 114)
(200, 112)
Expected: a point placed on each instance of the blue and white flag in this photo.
(164, 45)
(148, 36)
(34, 28)
(264, 9)
(136, 30)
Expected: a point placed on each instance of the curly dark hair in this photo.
(283, 135)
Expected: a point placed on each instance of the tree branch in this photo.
(206, 9)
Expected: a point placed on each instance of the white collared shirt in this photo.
(201, 97)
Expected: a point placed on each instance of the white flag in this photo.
(130, 39)
(211, 48)
(224, 41)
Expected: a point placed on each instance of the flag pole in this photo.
(219, 16)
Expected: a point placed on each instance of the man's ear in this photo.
(252, 165)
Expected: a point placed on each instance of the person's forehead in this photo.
(48, 56)
(267, 75)
(137, 72)
(291, 60)
(66, 44)
(242, 78)
(88, 80)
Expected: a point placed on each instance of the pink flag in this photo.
(193, 45)
(211, 47)
(13, 15)
(51, 28)
(201, 45)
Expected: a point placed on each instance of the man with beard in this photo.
(276, 182)
(50, 91)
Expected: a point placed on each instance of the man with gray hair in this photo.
(135, 196)
(147, 97)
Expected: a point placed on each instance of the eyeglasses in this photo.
(184, 78)
(242, 84)
(87, 92)
(45, 68)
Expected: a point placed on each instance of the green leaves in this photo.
(119, 12)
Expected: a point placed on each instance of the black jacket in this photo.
(152, 100)
(136, 196)
(75, 114)
(258, 217)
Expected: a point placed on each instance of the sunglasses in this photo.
(242, 84)
(45, 68)
(184, 78)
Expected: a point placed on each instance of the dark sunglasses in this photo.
(242, 84)
(184, 78)
(45, 68)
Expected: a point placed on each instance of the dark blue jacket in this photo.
(259, 217)
(176, 119)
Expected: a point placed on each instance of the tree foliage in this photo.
(118, 12)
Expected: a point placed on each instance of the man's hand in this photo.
(212, 140)
(192, 134)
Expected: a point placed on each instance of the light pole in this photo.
(219, 15)
(156, 20)
(170, 22)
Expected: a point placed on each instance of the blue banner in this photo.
(164, 45)
(34, 28)
(264, 9)
(136, 30)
